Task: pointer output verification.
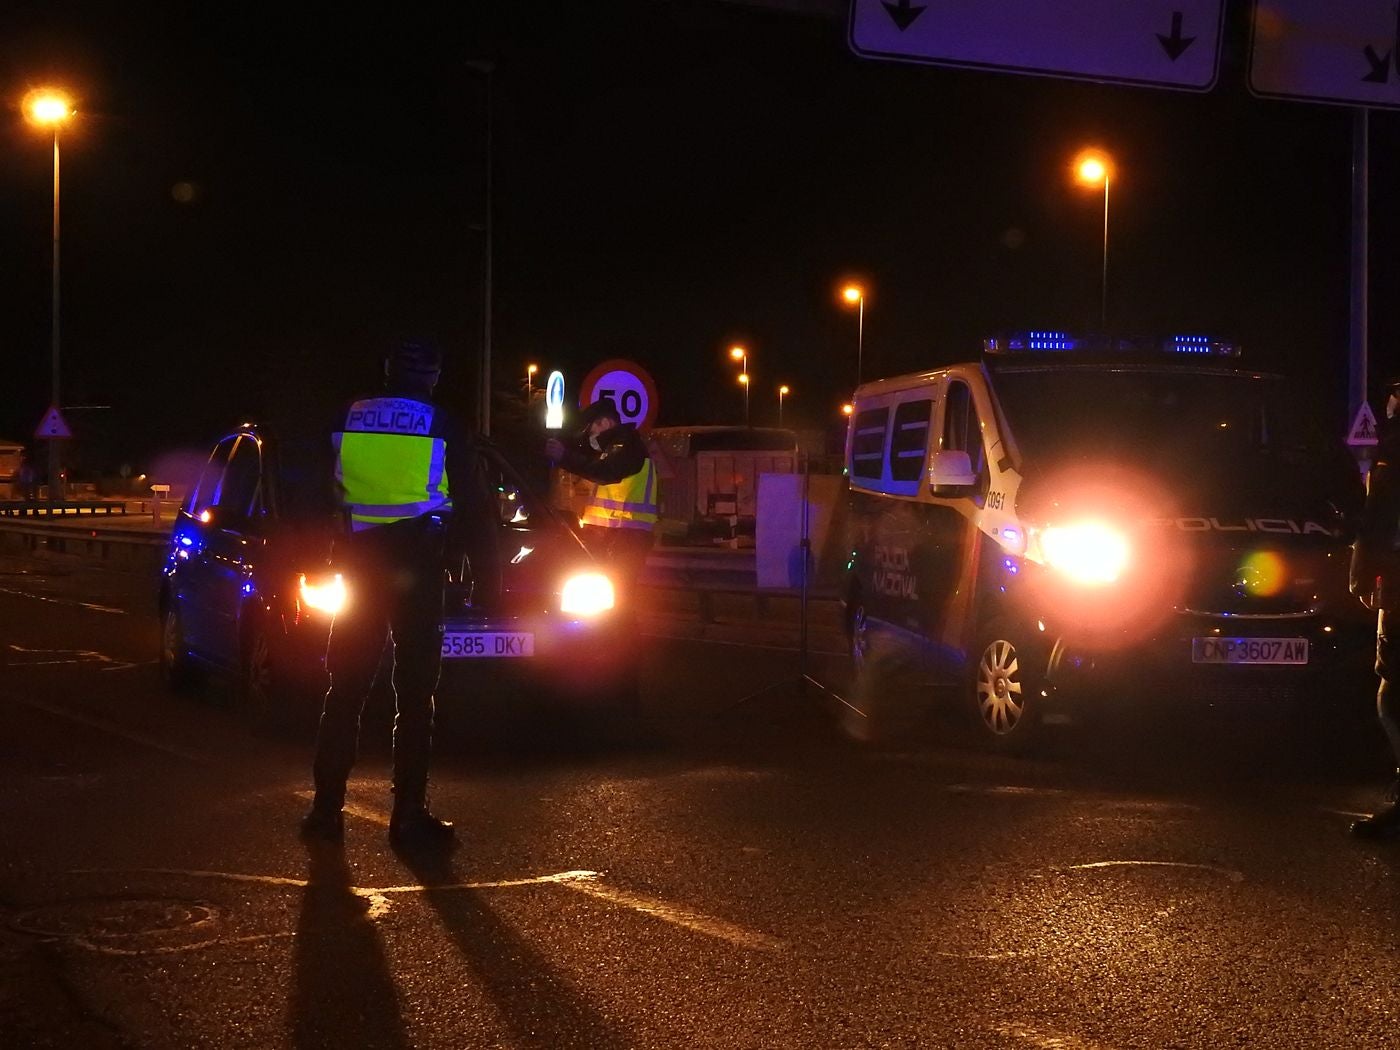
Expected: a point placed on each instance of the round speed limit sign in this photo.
(628, 385)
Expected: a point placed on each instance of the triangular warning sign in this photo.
(1363, 427)
(53, 425)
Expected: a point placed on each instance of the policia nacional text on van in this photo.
(1069, 519)
(407, 483)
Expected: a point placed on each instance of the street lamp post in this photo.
(783, 391)
(486, 69)
(530, 371)
(50, 109)
(739, 353)
(854, 295)
(1091, 168)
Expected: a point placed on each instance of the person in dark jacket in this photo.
(1375, 579)
(412, 507)
(622, 512)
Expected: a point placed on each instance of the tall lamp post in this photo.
(48, 108)
(1093, 168)
(739, 353)
(486, 68)
(530, 371)
(783, 392)
(854, 295)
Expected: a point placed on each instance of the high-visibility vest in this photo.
(390, 462)
(626, 504)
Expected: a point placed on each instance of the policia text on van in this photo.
(1060, 517)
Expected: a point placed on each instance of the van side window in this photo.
(868, 444)
(962, 430)
(909, 440)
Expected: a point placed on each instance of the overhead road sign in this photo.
(1339, 51)
(53, 425)
(1155, 43)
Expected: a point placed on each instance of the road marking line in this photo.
(1343, 813)
(1046, 1040)
(1229, 873)
(82, 656)
(373, 816)
(64, 601)
(116, 730)
(690, 920)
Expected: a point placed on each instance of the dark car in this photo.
(248, 591)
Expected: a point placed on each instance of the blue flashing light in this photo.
(1203, 345)
(248, 587)
(1011, 566)
(1011, 535)
(1035, 340)
(185, 541)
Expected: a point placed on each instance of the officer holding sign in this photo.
(620, 516)
(1375, 579)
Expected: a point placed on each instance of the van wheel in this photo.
(1004, 689)
(177, 667)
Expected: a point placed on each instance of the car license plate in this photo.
(458, 645)
(1249, 650)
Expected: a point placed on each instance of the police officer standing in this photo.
(397, 457)
(619, 518)
(1375, 578)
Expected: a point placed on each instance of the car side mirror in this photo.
(950, 469)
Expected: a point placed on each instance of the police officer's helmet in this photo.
(414, 359)
(603, 408)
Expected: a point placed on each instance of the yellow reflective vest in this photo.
(626, 504)
(390, 461)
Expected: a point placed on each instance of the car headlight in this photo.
(586, 594)
(327, 595)
(1088, 552)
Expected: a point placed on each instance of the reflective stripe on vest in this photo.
(389, 464)
(626, 504)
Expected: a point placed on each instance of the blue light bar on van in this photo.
(1202, 345)
(1035, 341)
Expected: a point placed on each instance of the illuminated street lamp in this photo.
(783, 392)
(530, 371)
(847, 408)
(854, 295)
(48, 108)
(740, 353)
(1093, 168)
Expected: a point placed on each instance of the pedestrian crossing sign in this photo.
(1363, 428)
(53, 425)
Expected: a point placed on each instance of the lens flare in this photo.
(1262, 574)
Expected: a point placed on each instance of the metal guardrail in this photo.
(20, 508)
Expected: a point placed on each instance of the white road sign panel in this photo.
(1162, 43)
(1342, 51)
(53, 425)
(1363, 428)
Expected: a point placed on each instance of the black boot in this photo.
(413, 825)
(1385, 822)
(324, 824)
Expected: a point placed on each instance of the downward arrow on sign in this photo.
(1175, 44)
(903, 13)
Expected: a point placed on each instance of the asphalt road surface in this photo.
(744, 876)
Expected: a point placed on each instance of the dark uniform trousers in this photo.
(1387, 669)
(625, 551)
(394, 576)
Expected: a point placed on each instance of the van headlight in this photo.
(326, 594)
(1088, 552)
(586, 594)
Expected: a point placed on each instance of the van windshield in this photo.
(1150, 416)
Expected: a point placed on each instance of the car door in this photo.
(232, 547)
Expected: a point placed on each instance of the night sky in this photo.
(255, 205)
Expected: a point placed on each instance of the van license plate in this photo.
(457, 645)
(1249, 650)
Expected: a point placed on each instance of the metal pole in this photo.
(1103, 301)
(486, 309)
(1357, 344)
(860, 337)
(55, 465)
(780, 408)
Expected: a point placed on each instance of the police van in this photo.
(1070, 519)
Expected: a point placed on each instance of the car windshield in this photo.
(1144, 415)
